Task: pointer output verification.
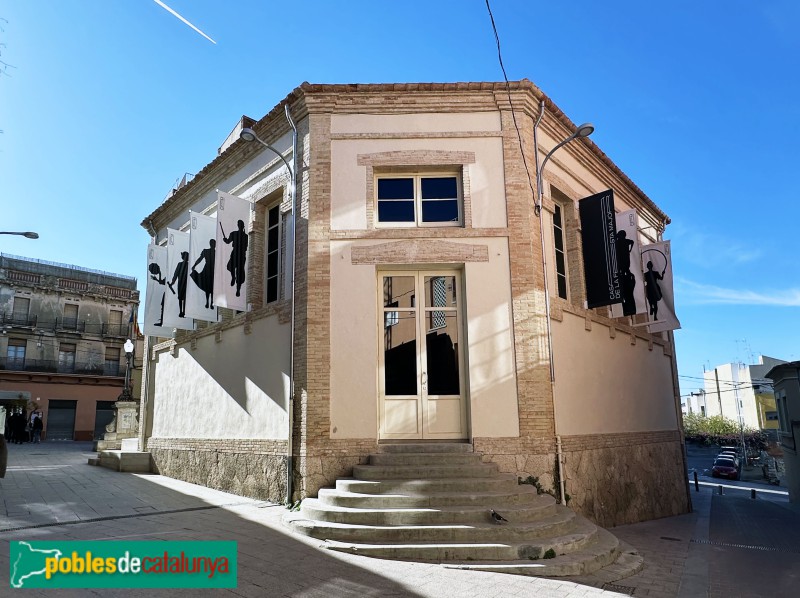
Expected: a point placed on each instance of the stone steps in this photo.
(420, 471)
(475, 516)
(433, 503)
(602, 551)
(497, 483)
(485, 553)
(425, 459)
(520, 494)
(129, 461)
(422, 447)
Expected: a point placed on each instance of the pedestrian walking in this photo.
(37, 426)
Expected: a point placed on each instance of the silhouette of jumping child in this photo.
(182, 276)
(237, 262)
(652, 289)
(205, 278)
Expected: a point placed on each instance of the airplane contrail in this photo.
(168, 9)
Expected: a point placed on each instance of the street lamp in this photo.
(27, 235)
(249, 135)
(583, 130)
(126, 392)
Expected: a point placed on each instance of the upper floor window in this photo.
(20, 310)
(273, 253)
(112, 361)
(70, 316)
(419, 200)
(560, 251)
(66, 358)
(16, 354)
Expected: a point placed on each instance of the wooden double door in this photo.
(421, 364)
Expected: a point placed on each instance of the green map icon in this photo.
(28, 562)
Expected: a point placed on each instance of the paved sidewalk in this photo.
(730, 546)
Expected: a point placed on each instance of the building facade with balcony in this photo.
(61, 347)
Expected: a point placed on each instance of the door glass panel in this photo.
(441, 343)
(440, 291)
(398, 291)
(400, 352)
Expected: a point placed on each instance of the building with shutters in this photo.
(61, 347)
(419, 306)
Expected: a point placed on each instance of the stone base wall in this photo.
(615, 479)
(612, 479)
(252, 468)
(321, 466)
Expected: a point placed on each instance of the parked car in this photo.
(730, 455)
(725, 467)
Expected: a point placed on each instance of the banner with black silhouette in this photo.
(628, 260)
(202, 263)
(156, 292)
(177, 281)
(230, 272)
(599, 232)
(657, 272)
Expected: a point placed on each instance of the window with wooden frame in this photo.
(419, 200)
(559, 243)
(70, 316)
(112, 361)
(15, 355)
(273, 254)
(66, 358)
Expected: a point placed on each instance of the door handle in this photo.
(424, 378)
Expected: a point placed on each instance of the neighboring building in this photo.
(737, 390)
(61, 350)
(786, 378)
(420, 306)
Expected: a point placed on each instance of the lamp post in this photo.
(27, 235)
(583, 130)
(126, 392)
(249, 135)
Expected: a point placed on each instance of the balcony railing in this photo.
(19, 320)
(54, 367)
(67, 325)
(121, 330)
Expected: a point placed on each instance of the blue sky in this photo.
(106, 104)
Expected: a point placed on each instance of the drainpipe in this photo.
(538, 211)
(289, 437)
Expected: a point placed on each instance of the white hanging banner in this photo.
(202, 262)
(177, 281)
(657, 274)
(155, 292)
(230, 272)
(628, 259)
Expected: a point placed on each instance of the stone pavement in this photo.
(729, 547)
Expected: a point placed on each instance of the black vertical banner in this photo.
(599, 231)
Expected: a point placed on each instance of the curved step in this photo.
(317, 510)
(602, 551)
(429, 447)
(484, 553)
(496, 483)
(565, 525)
(522, 495)
(419, 472)
(424, 459)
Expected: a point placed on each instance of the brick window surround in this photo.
(416, 162)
